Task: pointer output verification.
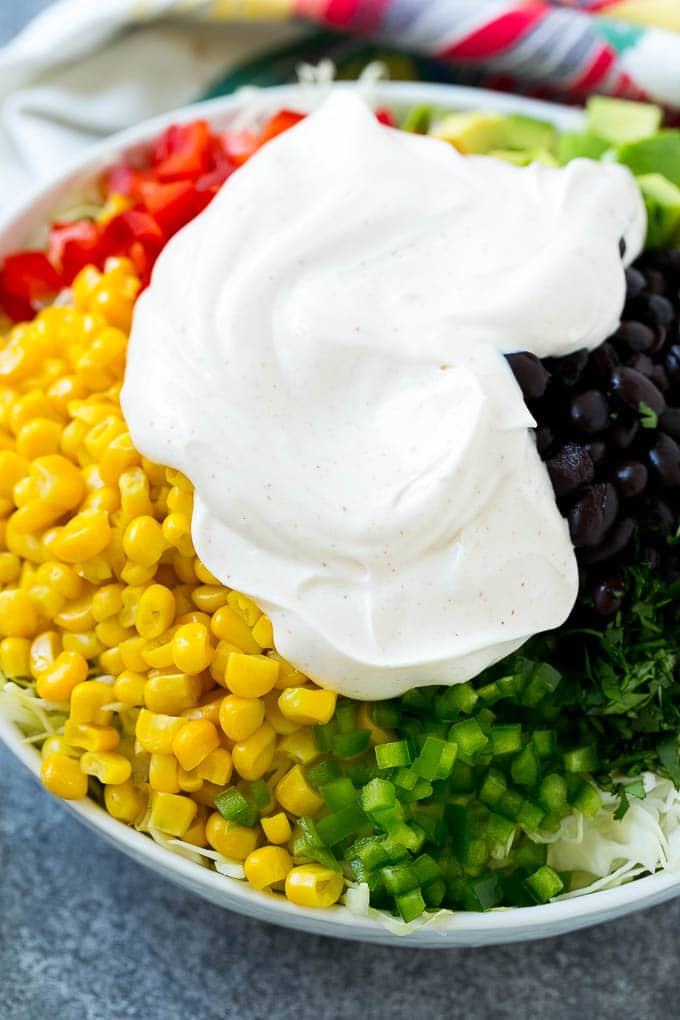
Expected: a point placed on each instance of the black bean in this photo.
(664, 457)
(641, 363)
(597, 450)
(615, 541)
(568, 370)
(669, 422)
(672, 362)
(634, 335)
(608, 595)
(656, 281)
(630, 479)
(658, 516)
(659, 377)
(532, 377)
(593, 514)
(660, 338)
(634, 389)
(658, 309)
(544, 438)
(624, 434)
(589, 412)
(635, 283)
(602, 362)
(570, 468)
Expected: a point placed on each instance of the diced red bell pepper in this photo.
(130, 226)
(171, 205)
(280, 122)
(125, 180)
(183, 151)
(384, 116)
(72, 246)
(29, 276)
(238, 146)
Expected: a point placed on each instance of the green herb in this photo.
(649, 419)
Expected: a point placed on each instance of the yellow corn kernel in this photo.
(18, 360)
(171, 813)
(143, 541)
(184, 568)
(62, 578)
(183, 599)
(34, 516)
(123, 802)
(44, 650)
(169, 692)
(14, 657)
(267, 866)
(275, 717)
(72, 440)
(24, 492)
(365, 721)
(209, 708)
(59, 679)
(183, 503)
(10, 567)
(155, 613)
(229, 839)
(295, 795)
(85, 643)
(39, 438)
(108, 767)
(201, 571)
(194, 742)
(77, 616)
(276, 828)
(157, 653)
(135, 574)
(105, 498)
(111, 633)
(92, 738)
(83, 537)
(13, 469)
(58, 744)
(195, 616)
(131, 596)
(195, 834)
(251, 676)
(313, 885)
(97, 570)
(131, 653)
(134, 493)
(218, 666)
(244, 607)
(300, 746)
(192, 651)
(57, 481)
(216, 767)
(26, 547)
(241, 717)
(88, 700)
(253, 757)
(177, 533)
(263, 632)
(189, 782)
(163, 773)
(63, 777)
(129, 687)
(156, 731)
(209, 597)
(18, 617)
(83, 285)
(111, 661)
(63, 391)
(107, 602)
(308, 706)
(289, 676)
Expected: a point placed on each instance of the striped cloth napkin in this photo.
(82, 70)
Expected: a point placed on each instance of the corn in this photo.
(178, 503)
(61, 578)
(289, 676)
(240, 717)
(34, 516)
(92, 738)
(171, 813)
(244, 606)
(107, 601)
(189, 782)
(209, 709)
(58, 681)
(227, 625)
(277, 828)
(88, 700)
(14, 657)
(111, 633)
(155, 613)
(143, 541)
(192, 651)
(18, 617)
(253, 757)
(163, 773)
(44, 650)
(155, 731)
(218, 666)
(57, 744)
(63, 777)
(131, 653)
(295, 795)
(209, 597)
(194, 742)
(169, 692)
(10, 567)
(129, 687)
(307, 706)
(300, 746)
(216, 767)
(13, 469)
(123, 802)
(111, 661)
(267, 866)
(365, 721)
(86, 644)
(251, 676)
(108, 767)
(229, 839)
(157, 653)
(76, 616)
(195, 834)
(83, 537)
(313, 885)
(134, 494)
(263, 632)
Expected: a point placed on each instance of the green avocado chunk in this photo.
(471, 132)
(580, 145)
(526, 157)
(657, 155)
(619, 121)
(528, 134)
(662, 201)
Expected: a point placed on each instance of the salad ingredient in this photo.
(618, 121)
(444, 496)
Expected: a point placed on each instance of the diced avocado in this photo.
(575, 145)
(527, 133)
(471, 132)
(657, 155)
(662, 201)
(418, 120)
(619, 120)
(525, 158)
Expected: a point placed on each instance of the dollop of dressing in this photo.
(321, 352)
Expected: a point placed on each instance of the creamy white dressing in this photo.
(321, 353)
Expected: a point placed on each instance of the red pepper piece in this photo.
(280, 122)
(124, 180)
(171, 205)
(238, 146)
(384, 116)
(74, 245)
(183, 151)
(29, 276)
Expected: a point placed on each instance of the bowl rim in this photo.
(459, 928)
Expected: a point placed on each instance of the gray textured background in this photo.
(86, 934)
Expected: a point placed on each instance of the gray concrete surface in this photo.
(86, 934)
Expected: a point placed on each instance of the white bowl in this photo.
(459, 929)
